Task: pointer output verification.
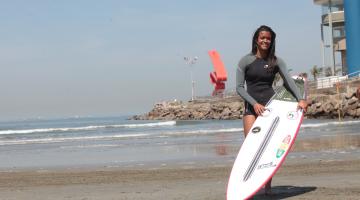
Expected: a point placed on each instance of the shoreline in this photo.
(324, 179)
(185, 150)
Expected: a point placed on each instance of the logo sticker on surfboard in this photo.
(256, 129)
(292, 115)
(284, 146)
(267, 165)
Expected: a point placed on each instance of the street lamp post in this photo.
(190, 62)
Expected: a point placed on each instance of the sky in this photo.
(119, 57)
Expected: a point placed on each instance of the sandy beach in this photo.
(298, 180)
(185, 161)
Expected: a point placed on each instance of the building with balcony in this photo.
(333, 41)
(340, 33)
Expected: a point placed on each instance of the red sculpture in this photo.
(219, 76)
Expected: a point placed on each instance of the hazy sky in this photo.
(115, 57)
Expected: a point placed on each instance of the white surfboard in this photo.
(266, 145)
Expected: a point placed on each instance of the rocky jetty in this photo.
(211, 108)
(345, 105)
(333, 106)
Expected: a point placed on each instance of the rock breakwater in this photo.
(346, 105)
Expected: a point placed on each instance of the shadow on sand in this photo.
(283, 192)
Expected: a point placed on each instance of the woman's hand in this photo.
(259, 109)
(302, 105)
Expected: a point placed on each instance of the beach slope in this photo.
(295, 180)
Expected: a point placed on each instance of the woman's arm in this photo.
(240, 80)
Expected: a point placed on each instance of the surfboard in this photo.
(266, 145)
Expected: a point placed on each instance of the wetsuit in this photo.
(259, 78)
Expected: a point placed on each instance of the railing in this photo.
(330, 81)
(335, 84)
(357, 73)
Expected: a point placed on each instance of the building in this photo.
(340, 30)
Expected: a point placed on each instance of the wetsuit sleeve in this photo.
(288, 81)
(240, 81)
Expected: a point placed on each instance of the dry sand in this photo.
(301, 180)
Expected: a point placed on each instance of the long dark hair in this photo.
(271, 53)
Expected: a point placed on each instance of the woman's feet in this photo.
(268, 191)
(267, 188)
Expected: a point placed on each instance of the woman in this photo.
(258, 70)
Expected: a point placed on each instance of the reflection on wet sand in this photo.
(225, 145)
(328, 142)
(304, 145)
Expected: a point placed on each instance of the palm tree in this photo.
(315, 71)
(328, 71)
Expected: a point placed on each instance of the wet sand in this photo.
(295, 180)
(316, 168)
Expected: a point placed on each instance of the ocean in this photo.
(115, 142)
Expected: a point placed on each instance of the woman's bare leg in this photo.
(248, 121)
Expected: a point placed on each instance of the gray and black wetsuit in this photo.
(259, 79)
